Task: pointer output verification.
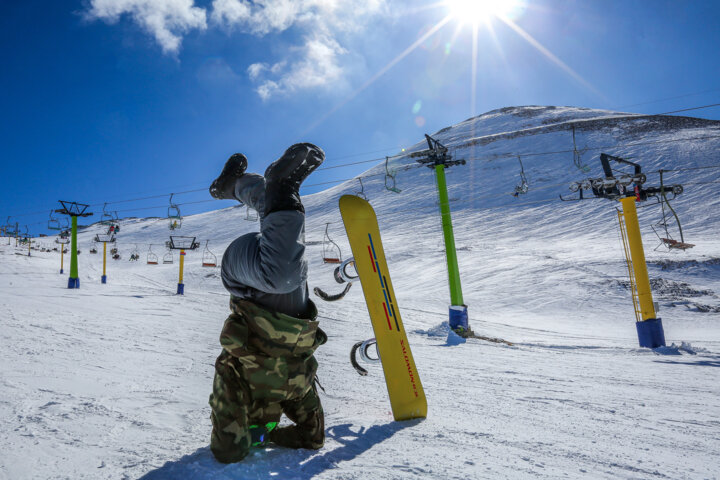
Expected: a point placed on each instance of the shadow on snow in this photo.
(280, 462)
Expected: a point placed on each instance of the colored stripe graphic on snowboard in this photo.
(388, 305)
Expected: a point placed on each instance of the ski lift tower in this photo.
(28, 239)
(182, 244)
(438, 158)
(11, 230)
(62, 240)
(105, 239)
(629, 189)
(74, 210)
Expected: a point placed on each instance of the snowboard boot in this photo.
(310, 434)
(284, 176)
(223, 188)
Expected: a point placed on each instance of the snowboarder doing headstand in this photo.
(267, 366)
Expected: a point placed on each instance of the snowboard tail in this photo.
(407, 397)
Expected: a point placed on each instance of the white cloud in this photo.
(318, 65)
(267, 89)
(318, 62)
(166, 20)
(230, 12)
(259, 17)
(256, 70)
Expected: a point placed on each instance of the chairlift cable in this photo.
(494, 157)
(689, 109)
(666, 99)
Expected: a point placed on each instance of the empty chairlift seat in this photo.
(152, 259)
(209, 259)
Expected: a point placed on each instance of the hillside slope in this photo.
(112, 381)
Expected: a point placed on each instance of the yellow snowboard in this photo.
(407, 397)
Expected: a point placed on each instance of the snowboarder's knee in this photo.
(227, 452)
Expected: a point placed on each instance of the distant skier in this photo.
(267, 366)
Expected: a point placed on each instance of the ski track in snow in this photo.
(112, 381)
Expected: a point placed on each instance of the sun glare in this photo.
(477, 11)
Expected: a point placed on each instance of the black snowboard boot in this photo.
(284, 176)
(223, 188)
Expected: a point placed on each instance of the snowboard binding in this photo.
(363, 347)
(341, 275)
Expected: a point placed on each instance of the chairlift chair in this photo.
(54, 223)
(667, 240)
(390, 176)
(10, 229)
(523, 186)
(168, 258)
(63, 238)
(577, 154)
(135, 254)
(209, 259)
(108, 218)
(361, 193)
(152, 259)
(250, 214)
(331, 250)
(174, 215)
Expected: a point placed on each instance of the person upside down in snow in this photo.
(266, 367)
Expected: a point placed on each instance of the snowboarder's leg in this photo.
(309, 418)
(273, 260)
(230, 439)
(250, 190)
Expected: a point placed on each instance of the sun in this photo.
(477, 11)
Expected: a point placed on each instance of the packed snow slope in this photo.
(112, 380)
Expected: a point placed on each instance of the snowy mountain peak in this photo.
(531, 120)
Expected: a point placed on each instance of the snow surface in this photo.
(112, 381)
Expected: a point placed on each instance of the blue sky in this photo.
(109, 100)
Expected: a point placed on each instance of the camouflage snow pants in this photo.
(234, 412)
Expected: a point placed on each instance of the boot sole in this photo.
(305, 158)
(234, 170)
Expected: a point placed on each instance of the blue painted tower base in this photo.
(61, 271)
(103, 279)
(73, 282)
(181, 289)
(651, 333)
(459, 318)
